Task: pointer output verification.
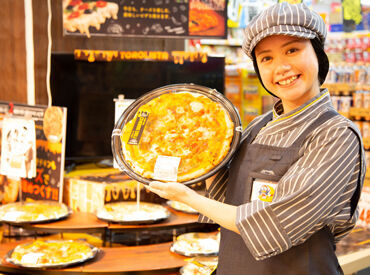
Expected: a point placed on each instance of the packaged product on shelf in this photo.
(252, 92)
(366, 101)
(364, 208)
(233, 85)
(358, 99)
(367, 154)
(359, 125)
(346, 103)
(366, 129)
(336, 102)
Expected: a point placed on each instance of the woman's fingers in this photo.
(167, 190)
(159, 188)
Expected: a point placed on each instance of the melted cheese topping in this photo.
(76, 19)
(32, 211)
(130, 211)
(196, 244)
(48, 253)
(186, 125)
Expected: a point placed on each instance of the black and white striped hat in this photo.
(284, 19)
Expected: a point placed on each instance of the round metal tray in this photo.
(102, 212)
(68, 211)
(174, 205)
(191, 237)
(94, 251)
(131, 111)
(201, 264)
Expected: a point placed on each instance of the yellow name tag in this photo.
(263, 190)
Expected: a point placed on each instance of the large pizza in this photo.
(39, 253)
(185, 125)
(79, 15)
(31, 212)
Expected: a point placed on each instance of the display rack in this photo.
(148, 259)
(143, 259)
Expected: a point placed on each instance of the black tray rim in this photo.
(180, 210)
(95, 250)
(213, 94)
(137, 222)
(16, 223)
(188, 254)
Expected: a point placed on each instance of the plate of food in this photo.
(199, 266)
(33, 212)
(41, 254)
(181, 132)
(179, 206)
(133, 213)
(196, 244)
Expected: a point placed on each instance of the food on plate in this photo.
(41, 253)
(79, 15)
(196, 244)
(202, 20)
(133, 212)
(185, 125)
(181, 207)
(199, 266)
(53, 124)
(37, 211)
(9, 189)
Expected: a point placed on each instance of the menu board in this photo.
(147, 18)
(31, 166)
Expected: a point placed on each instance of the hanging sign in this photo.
(153, 18)
(33, 143)
(178, 57)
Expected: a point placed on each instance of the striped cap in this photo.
(284, 19)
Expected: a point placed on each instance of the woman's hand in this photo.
(170, 190)
(221, 213)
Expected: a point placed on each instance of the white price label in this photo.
(166, 168)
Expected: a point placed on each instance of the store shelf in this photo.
(222, 42)
(366, 142)
(340, 88)
(360, 113)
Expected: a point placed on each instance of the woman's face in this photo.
(289, 69)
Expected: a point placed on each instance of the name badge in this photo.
(263, 190)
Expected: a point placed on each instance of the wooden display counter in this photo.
(77, 222)
(177, 219)
(144, 259)
(85, 222)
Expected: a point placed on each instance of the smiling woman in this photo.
(283, 67)
(292, 188)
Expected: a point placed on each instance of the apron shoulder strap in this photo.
(256, 128)
(317, 122)
(248, 137)
(356, 195)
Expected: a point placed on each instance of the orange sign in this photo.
(178, 57)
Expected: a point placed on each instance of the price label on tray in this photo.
(166, 168)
